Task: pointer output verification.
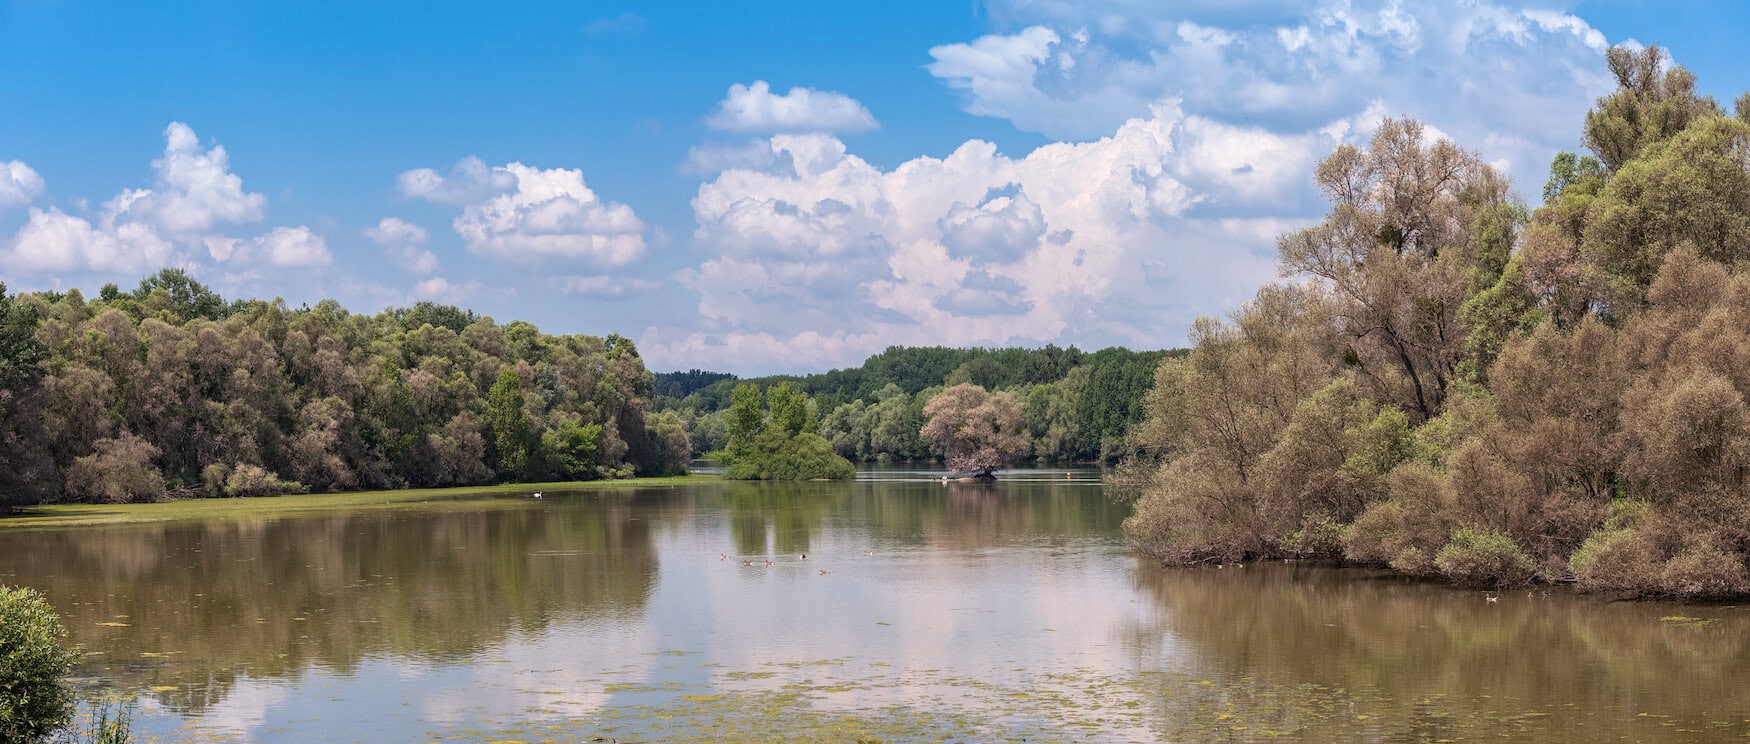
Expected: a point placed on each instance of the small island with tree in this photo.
(775, 439)
(977, 431)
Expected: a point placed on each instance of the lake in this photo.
(922, 611)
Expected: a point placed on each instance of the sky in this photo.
(763, 187)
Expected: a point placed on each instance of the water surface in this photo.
(922, 611)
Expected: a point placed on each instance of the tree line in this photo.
(1075, 406)
(1452, 383)
(171, 390)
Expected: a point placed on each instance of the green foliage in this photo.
(745, 420)
(20, 351)
(1689, 189)
(682, 384)
(510, 429)
(1571, 174)
(187, 299)
(34, 702)
(1494, 315)
(1482, 557)
(789, 411)
(572, 447)
(1651, 103)
(777, 446)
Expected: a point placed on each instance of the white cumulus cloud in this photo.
(54, 241)
(439, 289)
(193, 194)
(756, 109)
(1124, 239)
(605, 286)
(401, 240)
(19, 184)
(1474, 69)
(292, 247)
(393, 231)
(522, 213)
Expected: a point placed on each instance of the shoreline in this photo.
(267, 507)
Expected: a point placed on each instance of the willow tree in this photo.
(977, 432)
(1415, 227)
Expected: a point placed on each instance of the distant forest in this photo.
(1078, 405)
(171, 390)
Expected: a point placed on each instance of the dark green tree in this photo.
(510, 427)
(189, 299)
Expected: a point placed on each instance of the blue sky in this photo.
(761, 187)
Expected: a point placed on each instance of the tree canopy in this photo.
(169, 390)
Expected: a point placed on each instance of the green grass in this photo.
(269, 507)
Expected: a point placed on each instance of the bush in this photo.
(1621, 558)
(1705, 570)
(1319, 535)
(1484, 557)
(252, 480)
(33, 701)
(118, 472)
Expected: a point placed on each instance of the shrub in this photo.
(213, 478)
(33, 701)
(1319, 535)
(1615, 559)
(118, 472)
(1705, 570)
(1484, 557)
(252, 480)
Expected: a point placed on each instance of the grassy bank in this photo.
(82, 515)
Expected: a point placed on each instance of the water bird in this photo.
(824, 572)
(747, 563)
(537, 494)
(722, 556)
(770, 563)
(1491, 598)
(804, 557)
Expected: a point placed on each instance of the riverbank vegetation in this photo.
(169, 390)
(1453, 384)
(1076, 406)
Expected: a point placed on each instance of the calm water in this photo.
(961, 612)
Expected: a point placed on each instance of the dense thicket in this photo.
(1458, 387)
(169, 389)
(1076, 405)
